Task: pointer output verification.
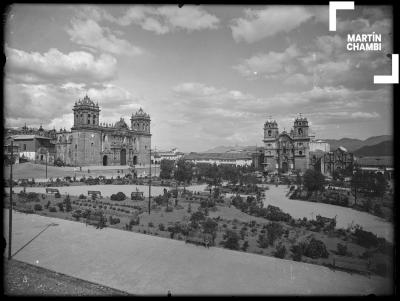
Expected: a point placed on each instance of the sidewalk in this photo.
(143, 264)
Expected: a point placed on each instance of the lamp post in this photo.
(11, 203)
(47, 155)
(150, 180)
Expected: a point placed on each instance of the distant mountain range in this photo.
(372, 146)
(353, 144)
(384, 148)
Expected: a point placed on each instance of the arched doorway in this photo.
(134, 160)
(123, 156)
(105, 160)
(284, 167)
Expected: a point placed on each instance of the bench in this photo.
(137, 196)
(350, 265)
(94, 193)
(52, 190)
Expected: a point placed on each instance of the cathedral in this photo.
(284, 151)
(90, 142)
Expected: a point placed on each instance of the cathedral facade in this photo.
(90, 142)
(284, 151)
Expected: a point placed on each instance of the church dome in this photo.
(121, 124)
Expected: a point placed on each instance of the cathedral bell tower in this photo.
(86, 113)
(140, 122)
(300, 127)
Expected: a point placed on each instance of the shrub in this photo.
(85, 213)
(82, 196)
(341, 249)
(274, 213)
(120, 196)
(151, 225)
(316, 249)
(161, 227)
(114, 221)
(169, 209)
(37, 207)
(77, 214)
(274, 231)
(280, 251)
(67, 203)
(57, 195)
(60, 206)
(47, 205)
(298, 251)
(245, 245)
(378, 210)
(32, 197)
(231, 240)
(52, 209)
(134, 221)
(381, 269)
(365, 238)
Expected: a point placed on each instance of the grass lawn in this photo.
(248, 227)
(25, 279)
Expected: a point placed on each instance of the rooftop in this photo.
(25, 137)
(218, 156)
(386, 161)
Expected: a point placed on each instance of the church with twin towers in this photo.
(90, 142)
(286, 151)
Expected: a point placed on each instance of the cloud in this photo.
(90, 34)
(269, 63)
(55, 66)
(364, 115)
(161, 19)
(51, 105)
(258, 24)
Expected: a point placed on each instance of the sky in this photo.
(207, 75)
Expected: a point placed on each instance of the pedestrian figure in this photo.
(169, 293)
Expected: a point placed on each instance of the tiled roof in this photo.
(25, 137)
(376, 161)
(217, 156)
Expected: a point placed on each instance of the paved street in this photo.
(142, 264)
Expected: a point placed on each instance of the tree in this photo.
(316, 249)
(231, 240)
(210, 226)
(196, 218)
(67, 203)
(184, 171)
(166, 168)
(280, 251)
(313, 180)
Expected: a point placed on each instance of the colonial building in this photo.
(286, 151)
(329, 162)
(234, 159)
(90, 142)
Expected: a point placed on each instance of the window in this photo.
(269, 133)
(300, 131)
(24, 147)
(300, 143)
(300, 153)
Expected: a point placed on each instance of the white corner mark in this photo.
(333, 7)
(390, 79)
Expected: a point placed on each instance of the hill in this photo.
(380, 149)
(352, 144)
